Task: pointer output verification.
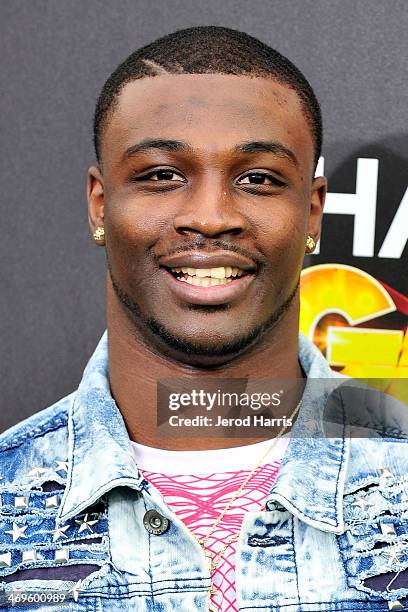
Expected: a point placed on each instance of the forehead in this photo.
(213, 112)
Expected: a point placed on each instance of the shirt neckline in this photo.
(173, 462)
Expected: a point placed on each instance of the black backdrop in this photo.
(55, 57)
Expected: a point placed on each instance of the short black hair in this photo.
(206, 50)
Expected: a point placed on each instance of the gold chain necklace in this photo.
(213, 563)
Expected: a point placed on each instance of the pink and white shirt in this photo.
(197, 485)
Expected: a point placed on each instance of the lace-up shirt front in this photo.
(197, 485)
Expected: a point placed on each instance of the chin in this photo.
(208, 346)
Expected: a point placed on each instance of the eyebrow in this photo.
(267, 146)
(256, 146)
(157, 143)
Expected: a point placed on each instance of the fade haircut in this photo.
(207, 50)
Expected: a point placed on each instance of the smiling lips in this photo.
(207, 277)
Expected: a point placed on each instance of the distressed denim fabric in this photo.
(333, 537)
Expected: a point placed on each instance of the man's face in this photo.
(227, 183)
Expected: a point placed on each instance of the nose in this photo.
(209, 209)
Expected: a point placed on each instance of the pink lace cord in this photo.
(199, 499)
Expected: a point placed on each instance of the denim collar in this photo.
(311, 478)
(312, 474)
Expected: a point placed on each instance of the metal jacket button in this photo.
(155, 523)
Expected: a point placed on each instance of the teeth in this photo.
(205, 282)
(201, 272)
(217, 273)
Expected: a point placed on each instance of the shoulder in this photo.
(379, 438)
(39, 439)
(374, 422)
(379, 453)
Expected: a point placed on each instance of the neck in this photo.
(135, 366)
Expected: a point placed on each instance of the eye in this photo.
(162, 174)
(261, 178)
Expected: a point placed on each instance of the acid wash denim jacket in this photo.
(82, 530)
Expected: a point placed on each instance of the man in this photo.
(205, 199)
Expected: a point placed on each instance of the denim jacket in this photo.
(81, 529)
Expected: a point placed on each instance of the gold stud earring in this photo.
(310, 244)
(99, 233)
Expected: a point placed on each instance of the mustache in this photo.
(202, 244)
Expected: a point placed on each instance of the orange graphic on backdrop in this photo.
(335, 299)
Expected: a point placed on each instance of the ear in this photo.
(95, 196)
(318, 196)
